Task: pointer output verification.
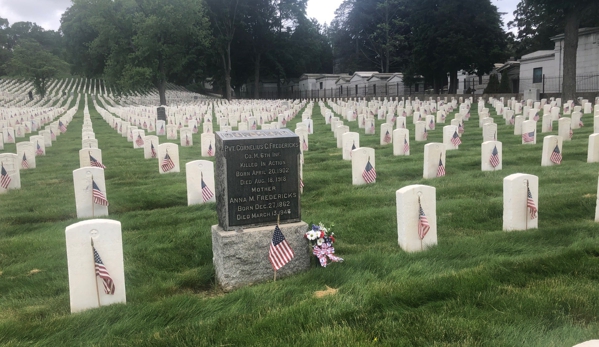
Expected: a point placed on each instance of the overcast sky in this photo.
(46, 13)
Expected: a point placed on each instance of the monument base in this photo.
(241, 258)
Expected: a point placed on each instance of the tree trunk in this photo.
(570, 47)
(227, 62)
(257, 76)
(453, 82)
(162, 92)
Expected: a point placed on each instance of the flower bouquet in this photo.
(322, 244)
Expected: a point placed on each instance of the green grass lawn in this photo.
(480, 286)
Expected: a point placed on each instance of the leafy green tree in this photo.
(453, 35)
(504, 85)
(31, 60)
(569, 15)
(144, 42)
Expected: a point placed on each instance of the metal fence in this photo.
(584, 83)
(381, 90)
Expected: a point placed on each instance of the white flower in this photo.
(320, 241)
(312, 235)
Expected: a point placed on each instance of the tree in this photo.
(31, 60)
(504, 85)
(566, 14)
(224, 17)
(453, 35)
(144, 42)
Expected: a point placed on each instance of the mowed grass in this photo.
(479, 287)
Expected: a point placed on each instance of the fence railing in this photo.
(381, 90)
(584, 83)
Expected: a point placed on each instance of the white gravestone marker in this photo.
(491, 156)
(552, 150)
(304, 139)
(363, 166)
(186, 137)
(171, 132)
(91, 199)
(168, 158)
(547, 125)
(451, 139)
(208, 145)
(89, 143)
(26, 151)
(340, 130)
(12, 179)
(577, 120)
(529, 132)
(151, 144)
(38, 144)
(416, 217)
(564, 128)
(351, 141)
(160, 128)
(138, 138)
(490, 132)
(520, 202)
(401, 142)
(91, 283)
(370, 127)
(421, 132)
(386, 134)
(593, 150)
(200, 182)
(434, 160)
(518, 125)
(47, 137)
(91, 157)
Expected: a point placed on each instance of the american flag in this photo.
(372, 127)
(39, 150)
(440, 169)
(195, 129)
(301, 183)
(467, 116)
(61, 127)
(304, 144)
(530, 203)
(94, 162)
(403, 124)
(103, 273)
(528, 137)
(24, 163)
(571, 133)
(152, 150)
(494, 159)
(210, 150)
(280, 253)
(369, 173)
(455, 139)
(139, 141)
(99, 197)
(167, 163)
(206, 192)
(536, 117)
(550, 126)
(52, 135)
(425, 135)
(161, 131)
(187, 143)
(460, 128)
(431, 125)
(387, 138)
(406, 145)
(423, 225)
(254, 125)
(9, 138)
(556, 155)
(4, 178)
(353, 146)
(580, 123)
(512, 120)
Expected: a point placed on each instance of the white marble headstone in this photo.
(340, 130)
(517, 215)
(491, 156)
(386, 134)
(200, 182)
(208, 144)
(529, 132)
(401, 142)
(409, 202)
(451, 139)
(86, 289)
(166, 151)
(363, 158)
(593, 149)
(186, 137)
(434, 157)
(551, 144)
(83, 181)
(351, 141)
(564, 128)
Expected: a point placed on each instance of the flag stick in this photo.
(278, 220)
(95, 277)
(421, 248)
(92, 196)
(526, 214)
